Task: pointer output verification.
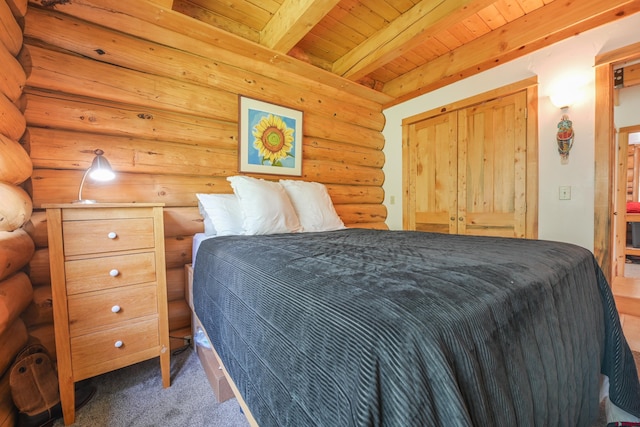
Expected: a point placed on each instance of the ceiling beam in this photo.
(549, 24)
(406, 32)
(293, 20)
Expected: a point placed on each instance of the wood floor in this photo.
(626, 291)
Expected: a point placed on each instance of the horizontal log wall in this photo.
(16, 242)
(158, 92)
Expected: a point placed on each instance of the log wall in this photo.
(17, 245)
(158, 92)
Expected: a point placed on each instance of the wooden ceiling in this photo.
(405, 48)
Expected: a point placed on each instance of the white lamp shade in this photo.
(100, 170)
(564, 98)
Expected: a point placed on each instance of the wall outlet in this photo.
(564, 192)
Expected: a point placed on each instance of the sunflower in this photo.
(273, 139)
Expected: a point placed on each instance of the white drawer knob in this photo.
(112, 235)
(115, 308)
(118, 344)
(114, 273)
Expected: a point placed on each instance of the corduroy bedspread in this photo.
(398, 328)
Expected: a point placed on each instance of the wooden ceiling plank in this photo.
(431, 50)
(293, 20)
(325, 41)
(510, 9)
(408, 31)
(492, 17)
(368, 15)
(462, 33)
(382, 8)
(212, 18)
(530, 5)
(270, 6)
(164, 3)
(476, 25)
(448, 40)
(319, 48)
(239, 11)
(543, 27)
(384, 74)
(402, 5)
(356, 28)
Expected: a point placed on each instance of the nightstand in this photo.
(109, 290)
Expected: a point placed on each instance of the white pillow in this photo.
(266, 208)
(221, 213)
(313, 205)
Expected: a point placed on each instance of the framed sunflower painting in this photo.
(270, 138)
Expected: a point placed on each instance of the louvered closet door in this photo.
(492, 168)
(434, 166)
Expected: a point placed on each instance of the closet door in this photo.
(492, 148)
(433, 198)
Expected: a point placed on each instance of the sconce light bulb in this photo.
(563, 99)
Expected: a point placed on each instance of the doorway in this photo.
(626, 263)
(605, 209)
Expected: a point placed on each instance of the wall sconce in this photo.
(100, 170)
(564, 135)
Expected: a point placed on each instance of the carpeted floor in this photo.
(134, 397)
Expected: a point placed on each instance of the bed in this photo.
(399, 328)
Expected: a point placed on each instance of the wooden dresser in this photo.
(109, 290)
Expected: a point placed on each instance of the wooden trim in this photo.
(631, 75)
(533, 166)
(408, 205)
(622, 54)
(467, 102)
(163, 309)
(60, 313)
(604, 167)
(620, 236)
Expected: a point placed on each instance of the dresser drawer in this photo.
(98, 352)
(93, 274)
(107, 235)
(105, 309)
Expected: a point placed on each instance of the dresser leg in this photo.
(165, 366)
(67, 401)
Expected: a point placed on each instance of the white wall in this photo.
(565, 220)
(628, 112)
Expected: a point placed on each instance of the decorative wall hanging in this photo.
(270, 138)
(564, 138)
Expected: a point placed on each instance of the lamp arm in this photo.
(84, 177)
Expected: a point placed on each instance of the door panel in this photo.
(435, 170)
(492, 168)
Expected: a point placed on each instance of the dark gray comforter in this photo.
(395, 328)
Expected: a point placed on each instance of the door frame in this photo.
(531, 86)
(605, 156)
(620, 199)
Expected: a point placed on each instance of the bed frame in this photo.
(219, 379)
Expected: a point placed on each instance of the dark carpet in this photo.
(134, 397)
